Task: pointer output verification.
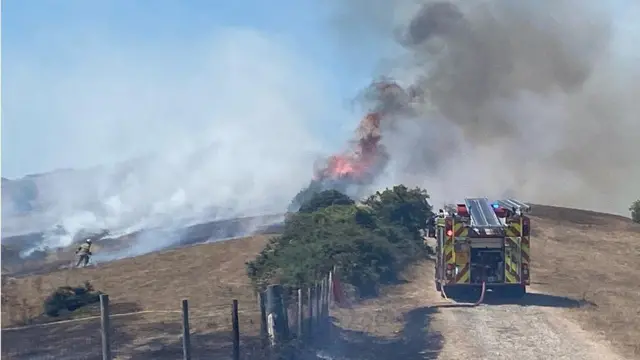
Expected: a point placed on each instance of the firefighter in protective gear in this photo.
(84, 252)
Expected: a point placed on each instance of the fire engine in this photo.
(482, 244)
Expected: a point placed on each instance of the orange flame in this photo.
(360, 160)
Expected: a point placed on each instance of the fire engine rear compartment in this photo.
(487, 265)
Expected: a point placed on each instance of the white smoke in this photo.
(218, 128)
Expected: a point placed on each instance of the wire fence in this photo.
(136, 335)
(226, 331)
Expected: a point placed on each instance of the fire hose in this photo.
(482, 291)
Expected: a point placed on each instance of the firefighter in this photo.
(84, 252)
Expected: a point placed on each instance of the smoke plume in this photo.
(224, 132)
(527, 99)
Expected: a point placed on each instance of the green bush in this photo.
(635, 211)
(70, 298)
(325, 199)
(367, 243)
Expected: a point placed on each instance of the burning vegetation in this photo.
(352, 170)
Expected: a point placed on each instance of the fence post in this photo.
(328, 295)
(275, 316)
(325, 314)
(327, 291)
(322, 290)
(186, 333)
(300, 314)
(236, 330)
(318, 290)
(105, 327)
(330, 298)
(285, 313)
(309, 313)
(328, 322)
(263, 319)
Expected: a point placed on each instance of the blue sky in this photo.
(73, 71)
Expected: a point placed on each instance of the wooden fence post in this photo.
(323, 288)
(326, 295)
(275, 316)
(309, 313)
(325, 308)
(105, 327)
(318, 290)
(186, 333)
(285, 314)
(236, 330)
(330, 299)
(264, 334)
(328, 322)
(300, 315)
(329, 290)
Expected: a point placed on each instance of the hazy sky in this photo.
(239, 98)
(89, 82)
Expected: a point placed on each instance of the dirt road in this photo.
(528, 330)
(421, 325)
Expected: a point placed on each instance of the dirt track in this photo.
(518, 331)
(422, 325)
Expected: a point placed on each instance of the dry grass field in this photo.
(589, 259)
(148, 291)
(594, 258)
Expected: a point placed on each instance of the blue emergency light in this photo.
(495, 205)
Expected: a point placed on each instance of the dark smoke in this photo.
(520, 98)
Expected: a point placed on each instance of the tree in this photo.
(342, 185)
(325, 199)
(313, 243)
(304, 195)
(408, 208)
(369, 243)
(635, 211)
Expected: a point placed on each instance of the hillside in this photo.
(160, 280)
(209, 275)
(584, 269)
(125, 246)
(591, 257)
